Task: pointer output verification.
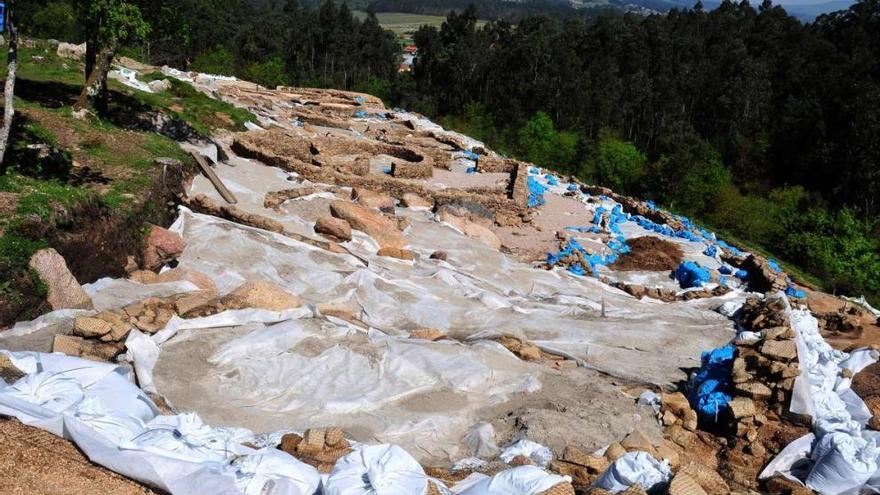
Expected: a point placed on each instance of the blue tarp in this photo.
(725, 270)
(360, 114)
(470, 170)
(471, 155)
(710, 386)
(690, 274)
(794, 292)
(742, 275)
(710, 251)
(536, 192)
(573, 187)
(551, 179)
(774, 265)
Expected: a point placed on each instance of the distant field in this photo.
(406, 24)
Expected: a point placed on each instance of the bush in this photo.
(614, 163)
(689, 175)
(837, 246)
(269, 74)
(539, 142)
(218, 61)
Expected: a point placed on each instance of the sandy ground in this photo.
(819, 302)
(33, 461)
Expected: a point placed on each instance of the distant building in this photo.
(409, 54)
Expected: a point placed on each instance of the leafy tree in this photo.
(56, 20)
(615, 163)
(108, 24)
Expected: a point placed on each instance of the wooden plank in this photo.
(212, 176)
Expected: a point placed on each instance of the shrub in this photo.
(615, 163)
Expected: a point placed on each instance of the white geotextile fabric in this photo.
(474, 298)
(840, 457)
(116, 425)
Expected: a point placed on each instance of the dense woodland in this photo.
(756, 124)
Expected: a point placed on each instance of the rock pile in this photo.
(318, 447)
(528, 351)
(101, 337)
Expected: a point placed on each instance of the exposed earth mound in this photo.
(649, 253)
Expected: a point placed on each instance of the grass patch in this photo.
(197, 109)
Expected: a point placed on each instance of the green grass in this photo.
(403, 24)
(197, 109)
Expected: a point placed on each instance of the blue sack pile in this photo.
(709, 388)
(690, 274)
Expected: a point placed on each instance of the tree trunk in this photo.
(9, 90)
(94, 93)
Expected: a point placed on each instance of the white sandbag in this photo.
(729, 308)
(52, 391)
(632, 468)
(185, 436)
(522, 480)
(116, 426)
(843, 462)
(538, 453)
(270, 470)
(784, 462)
(377, 470)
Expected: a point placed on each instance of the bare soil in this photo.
(650, 253)
(35, 461)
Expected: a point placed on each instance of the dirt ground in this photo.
(821, 303)
(33, 461)
(650, 253)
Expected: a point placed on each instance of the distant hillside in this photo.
(512, 10)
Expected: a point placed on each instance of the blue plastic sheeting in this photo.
(360, 114)
(582, 230)
(471, 155)
(723, 281)
(536, 192)
(617, 247)
(793, 292)
(774, 266)
(534, 171)
(734, 251)
(470, 170)
(650, 204)
(742, 275)
(710, 251)
(551, 179)
(386, 170)
(725, 270)
(710, 386)
(690, 274)
(597, 216)
(360, 99)
(573, 187)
